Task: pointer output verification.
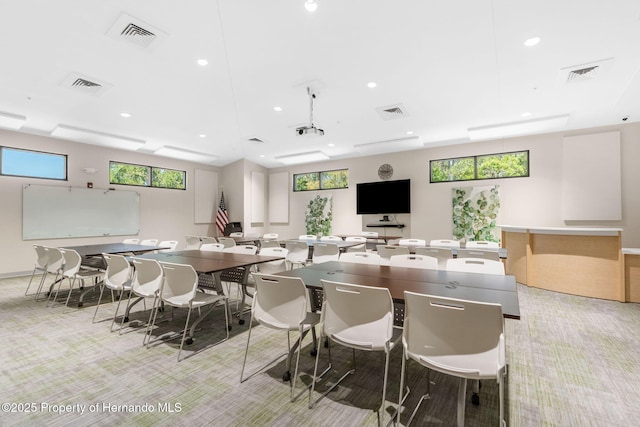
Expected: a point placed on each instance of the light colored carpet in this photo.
(573, 361)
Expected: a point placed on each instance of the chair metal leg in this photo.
(184, 333)
(98, 304)
(462, 396)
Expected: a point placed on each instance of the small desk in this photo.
(467, 286)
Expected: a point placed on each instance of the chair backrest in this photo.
(41, 257)
(269, 244)
(228, 242)
(369, 234)
(356, 239)
(445, 243)
(298, 251)
(149, 242)
(212, 247)
(438, 326)
(307, 237)
(206, 239)
(414, 261)
(242, 249)
(482, 244)
(118, 271)
(193, 242)
(173, 244)
(370, 327)
(476, 265)
(412, 242)
(147, 276)
(330, 238)
(55, 260)
(180, 283)
(357, 248)
(443, 254)
(360, 258)
(479, 253)
(270, 236)
(131, 241)
(279, 302)
(386, 252)
(273, 267)
(72, 261)
(236, 234)
(323, 252)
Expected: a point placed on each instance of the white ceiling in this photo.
(453, 65)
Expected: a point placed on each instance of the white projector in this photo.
(309, 130)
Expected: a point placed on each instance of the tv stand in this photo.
(386, 224)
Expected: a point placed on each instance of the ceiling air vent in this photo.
(256, 140)
(85, 84)
(392, 112)
(135, 31)
(585, 72)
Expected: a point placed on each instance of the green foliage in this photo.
(167, 178)
(306, 181)
(461, 169)
(126, 174)
(334, 179)
(505, 165)
(475, 213)
(319, 215)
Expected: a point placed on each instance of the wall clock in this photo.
(385, 171)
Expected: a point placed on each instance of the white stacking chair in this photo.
(55, 263)
(481, 244)
(172, 244)
(307, 237)
(369, 234)
(73, 271)
(360, 258)
(273, 267)
(443, 254)
(479, 253)
(455, 337)
(149, 242)
(206, 239)
(39, 266)
(369, 328)
(270, 244)
(357, 248)
(324, 252)
(117, 278)
(445, 243)
(298, 253)
(228, 242)
(412, 242)
(270, 236)
(212, 247)
(146, 283)
(131, 241)
(414, 261)
(476, 265)
(386, 252)
(242, 249)
(180, 290)
(280, 303)
(330, 239)
(192, 242)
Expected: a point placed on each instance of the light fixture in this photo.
(125, 115)
(97, 138)
(371, 85)
(409, 132)
(278, 109)
(380, 147)
(11, 121)
(331, 144)
(202, 62)
(312, 156)
(180, 153)
(310, 5)
(525, 114)
(202, 135)
(525, 127)
(532, 41)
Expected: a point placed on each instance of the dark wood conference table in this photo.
(379, 237)
(468, 286)
(502, 252)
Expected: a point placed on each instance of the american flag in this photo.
(222, 218)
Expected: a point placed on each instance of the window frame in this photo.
(475, 167)
(65, 157)
(150, 176)
(319, 175)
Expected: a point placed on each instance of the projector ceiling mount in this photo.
(311, 129)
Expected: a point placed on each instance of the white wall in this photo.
(164, 214)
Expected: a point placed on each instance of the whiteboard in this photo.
(57, 212)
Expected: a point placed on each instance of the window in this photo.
(35, 164)
(324, 180)
(489, 166)
(146, 176)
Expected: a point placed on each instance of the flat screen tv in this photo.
(383, 197)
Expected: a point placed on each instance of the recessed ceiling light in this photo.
(331, 144)
(532, 41)
(310, 5)
(525, 114)
(125, 115)
(278, 109)
(261, 155)
(202, 62)
(409, 132)
(371, 85)
(202, 135)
